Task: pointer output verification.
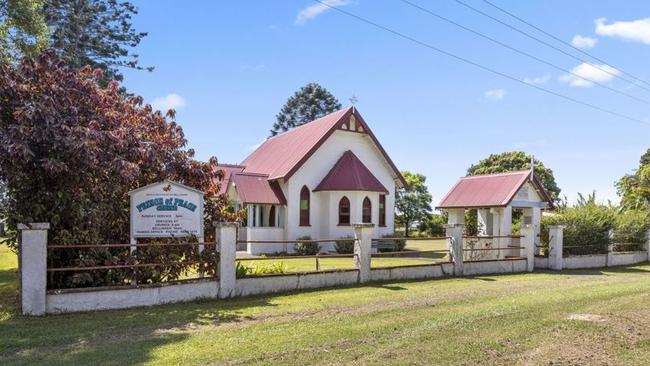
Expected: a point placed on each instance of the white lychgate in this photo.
(166, 210)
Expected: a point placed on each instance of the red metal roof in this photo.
(349, 174)
(256, 188)
(228, 170)
(280, 156)
(492, 190)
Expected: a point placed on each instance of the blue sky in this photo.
(228, 67)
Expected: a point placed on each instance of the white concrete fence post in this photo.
(362, 250)
(455, 246)
(527, 241)
(610, 247)
(556, 245)
(33, 267)
(226, 237)
(647, 244)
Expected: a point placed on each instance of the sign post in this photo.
(166, 209)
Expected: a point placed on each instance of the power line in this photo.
(548, 44)
(475, 64)
(503, 44)
(563, 41)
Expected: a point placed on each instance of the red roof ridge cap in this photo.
(250, 174)
(344, 110)
(495, 174)
(231, 165)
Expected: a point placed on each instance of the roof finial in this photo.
(532, 166)
(353, 100)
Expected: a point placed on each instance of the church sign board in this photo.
(166, 209)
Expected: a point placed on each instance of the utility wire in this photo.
(548, 44)
(416, 6)
(476, 64)
(563, 41)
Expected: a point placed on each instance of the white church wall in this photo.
(314, 170)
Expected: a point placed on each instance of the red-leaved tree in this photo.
(70, 151)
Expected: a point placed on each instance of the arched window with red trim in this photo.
(304, 206)
(344, 211)
(367, 211)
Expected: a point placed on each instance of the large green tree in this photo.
(634, 188)
(97, 33)
(311, 102)
(23, 31)
(514, 161)
(412, 203)
(70, 151)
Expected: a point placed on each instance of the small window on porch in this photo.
(344, 211)
(367, 211)
(272, 216)
(382, 210)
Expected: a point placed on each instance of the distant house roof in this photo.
(280, 156)
(492, 190)
(256, 188)
(228, 170)
(349, 174)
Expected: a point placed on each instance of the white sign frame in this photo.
(178, 190)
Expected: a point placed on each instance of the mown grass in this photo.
(504, 320)
(309, 264)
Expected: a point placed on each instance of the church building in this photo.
(314, 180)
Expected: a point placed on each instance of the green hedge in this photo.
(630, 230)
(586, 228)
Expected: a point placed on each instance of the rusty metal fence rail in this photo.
(110, 261)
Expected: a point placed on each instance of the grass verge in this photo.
(573, 317)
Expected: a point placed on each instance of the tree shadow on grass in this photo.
(114, 337)
(387, 286)
(601, 271)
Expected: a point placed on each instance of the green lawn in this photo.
(569, 318)
(309, 264)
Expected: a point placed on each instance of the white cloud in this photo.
(312, 11)
(495, 94)
(634, 30)
(539, 80)
(170, 101)
(592, 72)
(584, 41)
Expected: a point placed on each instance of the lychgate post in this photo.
(528, 242)
(362, 250)
(33, 267)
(226, 237)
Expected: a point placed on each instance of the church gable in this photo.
(351, 125)
(281, 156)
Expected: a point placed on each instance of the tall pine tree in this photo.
(98, 33)
(311, 102)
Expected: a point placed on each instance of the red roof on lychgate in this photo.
(492, 190)
(349, 174)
